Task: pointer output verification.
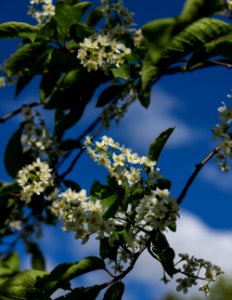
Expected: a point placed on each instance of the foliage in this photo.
(76, 49)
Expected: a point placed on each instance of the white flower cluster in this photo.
(81, 215)
(224, 132)
(118, 18)
(34, 179)
(36, 135)
(196, 269)
(2, 81)
(41, 10)
(157, 210)
(101, 53)
(122, 163)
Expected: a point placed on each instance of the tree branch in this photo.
(198, 167)
(18, 111)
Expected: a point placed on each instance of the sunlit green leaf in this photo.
(16, 30)
(23, 60)
(121, 72)
(149, 72)
(108, 198)
(193, 37)
(66, 15)
(9, 266)
(22, 286)
(196, 9)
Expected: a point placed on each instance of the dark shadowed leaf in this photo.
(94, 17)
(85, 293)
(14, 157)
(72, 184)
(115, 291)
(109, 94)
(164, 253)
(37, 258)
(157, 146)
(108, 251)
(65, 272)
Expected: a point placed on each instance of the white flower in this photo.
(2, 81)
(69, 195)
(34, 179)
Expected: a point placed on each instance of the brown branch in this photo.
(198, 167)
(18, 111)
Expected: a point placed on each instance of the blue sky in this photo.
(187, 101)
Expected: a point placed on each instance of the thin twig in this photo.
(87, 131)
(198, 167)
(18, 111)
(74, 161)
(221, 63)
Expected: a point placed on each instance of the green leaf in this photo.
(108, 251)
(121, 235)
(85, 293)
(193, 37)
(158, 34)
(219, 47)
(157, 146)
(121, 72)
(9, 266)
(22, 82)
(196, 9)
(163, 183)
(107, 196)
(66, 15)
(16, 30)
(149, 72)
(49, 31)
(79, 31)
(22, 286)
(8, 189)
(94, 17)
(47, 84)
(72, 184)
(14, 157)
(37, 258)
(109, 94)
(163, 253)
(65, 272)
(70, 144)
(65, 88)
(115, 291)
(23, 60)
